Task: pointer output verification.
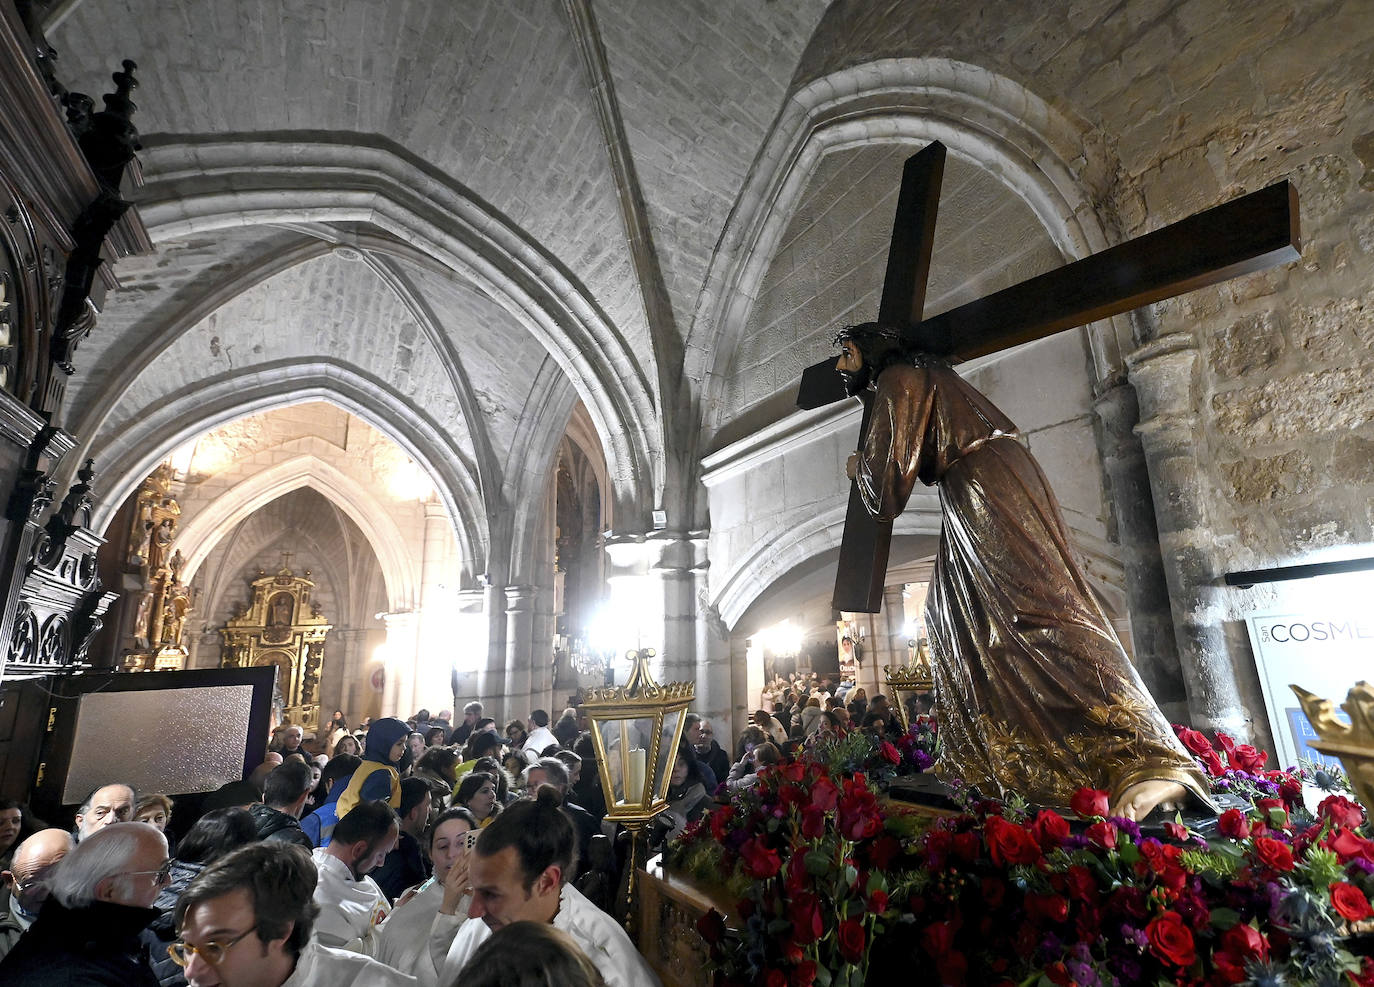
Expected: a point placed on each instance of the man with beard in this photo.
(351, 903)
(1034, 692)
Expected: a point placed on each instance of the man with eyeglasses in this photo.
(105, 806)
(100, 900)
(247, 921)
(709, 752)
(24, 880)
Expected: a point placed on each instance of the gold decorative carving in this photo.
(280, 626)
(1352, 742)
(916, 678)
(164, 602)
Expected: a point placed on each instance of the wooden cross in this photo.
(1249, 234)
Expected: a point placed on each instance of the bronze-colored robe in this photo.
(1034, 693)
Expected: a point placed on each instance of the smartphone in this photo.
(470, 838)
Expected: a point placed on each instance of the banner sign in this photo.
(1323, 653)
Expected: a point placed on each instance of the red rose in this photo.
(1103, 834)
(1176, 831)
(1050, 829)
(965, 846)
(1171, 940)
(712, 927)
(1058, 974)
(889, 753)
(825, 794)
(1247, 758)
(1195, 741)
(884, 849)
(1245, 941)
(794, 773)
(851, 939)
(813, 822)
(720, 822)
(1089, 802)
(1234, 824)
(1273, 854)
(1081, 883)
(1350, 902)
(1341, 811)
(759, 861)
(1348, 846)
(1225, 742)
(804, 975)
(1009, 843)
(1212, 762)
(808, 923)
(775, 978)
(1047, 907)
(877, 902)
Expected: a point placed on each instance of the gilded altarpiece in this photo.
(280, 626)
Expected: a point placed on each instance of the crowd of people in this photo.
(400, 852)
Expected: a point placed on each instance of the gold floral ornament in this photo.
(1352, 742)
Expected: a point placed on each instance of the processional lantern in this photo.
(636, 729)
(906, 681)
(1352, 742)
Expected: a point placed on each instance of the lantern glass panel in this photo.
(667, 750)
(627, 742)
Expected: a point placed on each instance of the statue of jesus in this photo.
(1034, 693)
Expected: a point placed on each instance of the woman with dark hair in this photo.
(319, 824)
(530, 954)
(403, 941)
(334, 731)
(477, 794)
(215, 834)
(16, 826)
(346, 744)
(516, 734)
(505, 781)
(436, 769)
(688, 799)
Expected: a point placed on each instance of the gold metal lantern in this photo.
(636, 729)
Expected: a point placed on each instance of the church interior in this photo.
(438, 352)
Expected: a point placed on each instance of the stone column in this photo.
(469, 649)
(1163, 373)
(434, 660)
(491, 681)
(400, 651)
(519, 635)
(1153, 641)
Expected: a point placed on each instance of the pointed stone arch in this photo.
(198, 537)
(1053, 163)
(128, 457)
(207, 184)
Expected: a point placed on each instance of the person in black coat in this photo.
(710, 753)
(88, 931)
(405, 866)
(284, 794)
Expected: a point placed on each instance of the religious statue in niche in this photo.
(281, 626)
(163, 600)
(1034, 692)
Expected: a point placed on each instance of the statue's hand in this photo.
(851, 468)
(1143, 797)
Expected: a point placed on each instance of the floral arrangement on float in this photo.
(835, 887)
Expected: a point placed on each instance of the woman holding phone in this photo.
(403, 942)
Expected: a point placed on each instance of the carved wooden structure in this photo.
(282, 628)
(61, 219)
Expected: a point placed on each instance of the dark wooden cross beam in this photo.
(1249, 234)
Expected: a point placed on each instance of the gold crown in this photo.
(1352, 742)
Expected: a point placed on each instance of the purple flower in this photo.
(1133, 935)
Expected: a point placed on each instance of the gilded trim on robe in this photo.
(1034, 693)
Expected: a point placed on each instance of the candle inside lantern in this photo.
(634, 777)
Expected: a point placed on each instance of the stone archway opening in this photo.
(310, 485)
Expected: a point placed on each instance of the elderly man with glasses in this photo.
(246, 921)
(100, 899)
